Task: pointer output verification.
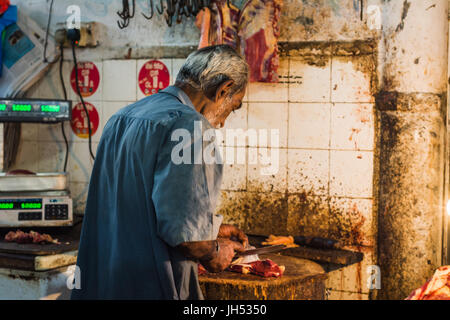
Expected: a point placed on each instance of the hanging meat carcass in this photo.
(253, 31)
(258, 36)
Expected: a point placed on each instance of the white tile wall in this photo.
(80, 163)
(308, 171)
(271, 92)
(352, 126)
(351, 174)
(349, 84)
(119, 80)
(235, 169)
(309, 125)
(309, 83)
(267, 116)
(267, 169)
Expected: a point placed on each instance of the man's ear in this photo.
(223, 90)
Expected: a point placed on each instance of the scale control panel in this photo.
(35, 211)
(35, 110)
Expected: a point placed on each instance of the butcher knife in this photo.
(269, 249)
(317, 242)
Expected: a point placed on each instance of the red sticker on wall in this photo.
(88, 78)
(79, 120)
(153, 76)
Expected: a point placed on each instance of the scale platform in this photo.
(40, 200)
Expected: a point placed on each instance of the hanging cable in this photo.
(65, 98)
(46, 36)
(82, 100)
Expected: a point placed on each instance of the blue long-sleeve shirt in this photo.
(141, 204)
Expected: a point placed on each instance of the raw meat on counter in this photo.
(437, 288)
(31, 237)
(264, 268)
(252, 264)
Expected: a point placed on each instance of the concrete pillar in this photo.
(411, 106)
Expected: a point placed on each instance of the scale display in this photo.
(35, 211)
(34, 110)
(20, 204)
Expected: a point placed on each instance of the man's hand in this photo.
(228, 231)
(222, 260)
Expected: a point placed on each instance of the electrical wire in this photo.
(46, 36)
(82, 100)
(65, 98)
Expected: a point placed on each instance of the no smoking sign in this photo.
(153, 76)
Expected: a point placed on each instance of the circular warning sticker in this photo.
(88, 78)
(153, 76)
(79, 120)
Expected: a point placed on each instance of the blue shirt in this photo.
(141, 203)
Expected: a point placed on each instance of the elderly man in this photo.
(149, 219)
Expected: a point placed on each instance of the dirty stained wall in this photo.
(413, 110)
(323, 107)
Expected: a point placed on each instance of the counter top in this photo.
(41, 257)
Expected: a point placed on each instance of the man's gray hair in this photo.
(206, 69)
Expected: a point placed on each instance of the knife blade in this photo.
(263, 250)
(316, 242)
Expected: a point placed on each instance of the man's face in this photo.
(218, 111)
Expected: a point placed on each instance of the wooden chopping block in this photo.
(302, 280)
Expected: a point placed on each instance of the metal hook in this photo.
(150, 2)
(125, 14)
(188, 8)
(160, 11)
(180, 11)
(168, 20)
(124, 24)
(170, 8)
(134, 7)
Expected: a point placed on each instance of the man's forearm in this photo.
(199, 250)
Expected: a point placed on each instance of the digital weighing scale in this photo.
(35, 200)
(39, 200)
